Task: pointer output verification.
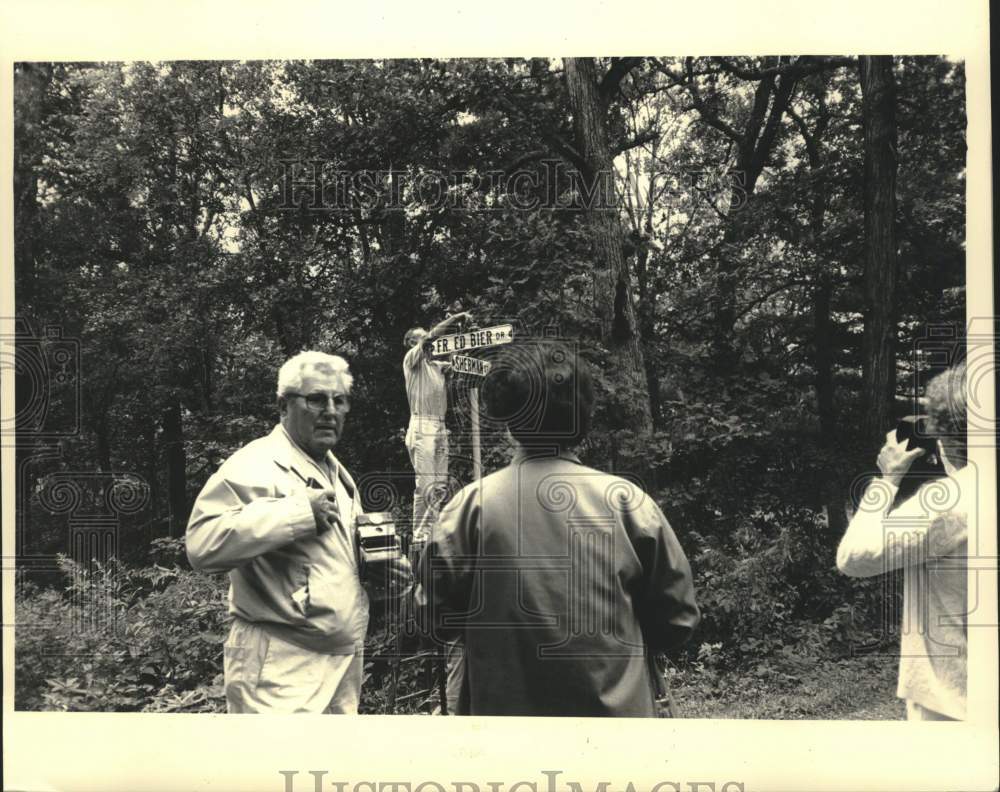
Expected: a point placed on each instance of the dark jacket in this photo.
(558, 578)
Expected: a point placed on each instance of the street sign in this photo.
(474, 339)
(463, 364)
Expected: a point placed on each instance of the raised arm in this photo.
(235, 521)
(440, 328)
(932, 522)
(879, 540)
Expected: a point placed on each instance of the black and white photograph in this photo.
(647, 389)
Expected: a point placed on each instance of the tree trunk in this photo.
(772, 97)
(207, 380)
(878, 346)
(823, 290)
(31, 82)
(152, 478)
(647, 330)
(613, 290)
(173, 445)
(823, 360)
(103, 445)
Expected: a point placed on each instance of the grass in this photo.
(859, 688)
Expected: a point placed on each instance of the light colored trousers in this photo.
(427, 444)
(266, 674)
(917, 712)
(455, 664)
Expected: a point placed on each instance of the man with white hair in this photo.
(279, 517)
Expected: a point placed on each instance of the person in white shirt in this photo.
(426, 436)
(927, 537)
(427, 444)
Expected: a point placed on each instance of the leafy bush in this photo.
(122, 639)
(770, 588)
(127, 639)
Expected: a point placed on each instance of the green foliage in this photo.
(155, 227)
(149, 639)
(122, 639)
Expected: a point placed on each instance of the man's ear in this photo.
(282, 406)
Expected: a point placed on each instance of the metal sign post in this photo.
(477, 459)
(463, 364)
(460, 364)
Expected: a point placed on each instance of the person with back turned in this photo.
(561, 579)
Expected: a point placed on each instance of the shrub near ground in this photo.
(154, 643)
(157, 648)
(162, 651)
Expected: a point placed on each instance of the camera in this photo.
(913, 429)
(378, 546)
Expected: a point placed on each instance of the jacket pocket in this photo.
(301, 595)
(244, 652)
(337, 603)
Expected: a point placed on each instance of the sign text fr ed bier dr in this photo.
(487, 336)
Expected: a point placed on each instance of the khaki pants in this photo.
(266, 674)
(455, 666)
(917, 712)
(427, 443)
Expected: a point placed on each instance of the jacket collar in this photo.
(284, 454)
(523, 454)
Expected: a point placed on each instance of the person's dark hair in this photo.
(946, 413)
(542, 391)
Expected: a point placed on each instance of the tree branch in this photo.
(559, 145)
(807, 64)
(782, 98)
(619, 68)
(524, 159)
(708, 116)
(639, 139)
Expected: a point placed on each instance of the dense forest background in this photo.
(751, 252)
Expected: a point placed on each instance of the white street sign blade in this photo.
(462, 364)
(474, 339)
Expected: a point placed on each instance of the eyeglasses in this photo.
(317, 402)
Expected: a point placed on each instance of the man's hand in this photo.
(441, 327)
(390, 580)
(894, 460)
(325, 509)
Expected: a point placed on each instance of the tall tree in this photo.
(589, 96)
(879, 122)
(822, 291)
